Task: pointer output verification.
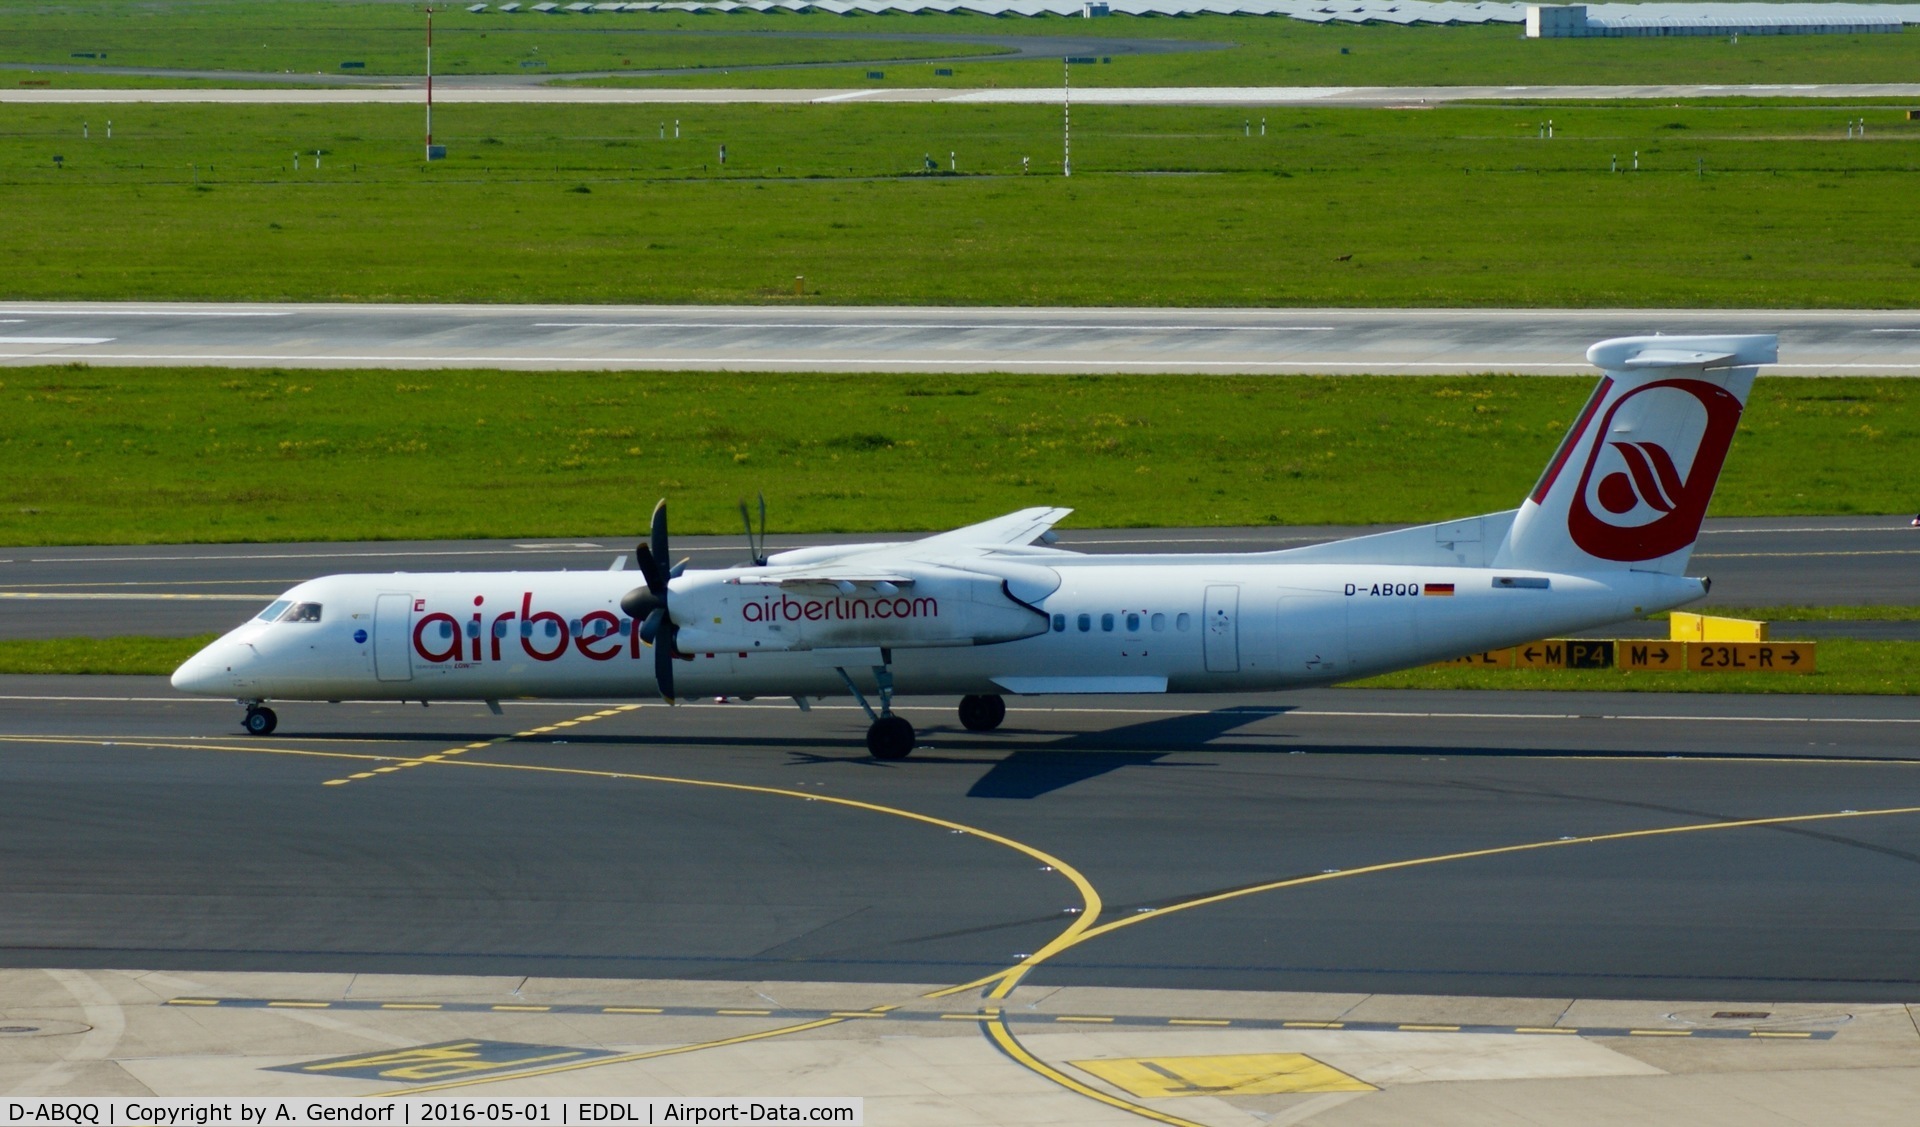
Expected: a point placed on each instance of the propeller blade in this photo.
(651, 570)
(680, 568)
(657, 534)
(760, 548)
(663, 662)
(650, 628)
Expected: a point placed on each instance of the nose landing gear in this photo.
(889, 736)
(259, 720)
(982, 712)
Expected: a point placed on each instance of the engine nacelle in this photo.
(937, 606)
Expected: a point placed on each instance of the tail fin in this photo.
(1631, 481)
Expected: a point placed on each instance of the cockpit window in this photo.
(303, 612)
(273, 610)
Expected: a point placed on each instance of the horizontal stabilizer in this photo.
(1677, 358)
(1628, 354)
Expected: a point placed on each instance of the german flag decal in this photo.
(1437, 589)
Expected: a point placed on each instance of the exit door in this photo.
(392, 644)
(1222, 629)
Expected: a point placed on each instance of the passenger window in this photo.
(1159, 622)
(1059, 623)
(273, 610)
(446, 630)
(575, 627)
(626, 627)
(526, 629)
(303, 612)
(499, 629)
(1133, 623)
(1085, 623)
(553, 628)
(473, 629)
(1183, 622)
(1106, 623)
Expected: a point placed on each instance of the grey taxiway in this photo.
(839, 338)
(1644, 845)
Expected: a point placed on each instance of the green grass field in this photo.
(165, 455)
(305, 36)
(1168, 205)
(1846, 666)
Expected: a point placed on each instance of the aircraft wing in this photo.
(1010, 531)
(1023, 527)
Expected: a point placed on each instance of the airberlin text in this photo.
(542, 635)
(789, 609)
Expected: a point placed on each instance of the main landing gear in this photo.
(982, 712)
(259, 720)
(889, 736)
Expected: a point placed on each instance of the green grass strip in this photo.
(131, 654)
(1871, 613)
(179, 455)
(1846, 666)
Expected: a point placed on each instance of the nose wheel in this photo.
(982, 712)
(890, 737)
(259, 720)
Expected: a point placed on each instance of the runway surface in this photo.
(839, 338)
(1640, 846)
(506, 89)
(196, 588)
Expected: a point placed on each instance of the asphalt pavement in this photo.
(985, 339)
(1342, 833)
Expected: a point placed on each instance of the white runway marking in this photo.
(55, 340)
(949, 326)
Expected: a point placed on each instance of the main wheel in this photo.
(982, 712)
(891, 737)
(260, 721)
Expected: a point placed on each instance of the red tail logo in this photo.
(1650, 506)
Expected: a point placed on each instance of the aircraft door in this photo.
(1222, 631)
(392, 642)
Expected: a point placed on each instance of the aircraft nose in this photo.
(207, 673)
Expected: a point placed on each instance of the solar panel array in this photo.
(1712, 15)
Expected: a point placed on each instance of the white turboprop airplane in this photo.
(983, 610)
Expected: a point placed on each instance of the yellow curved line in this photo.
(1008, 1043)
(1470, 854)
(1091, 904)
(623, 1058)
(997, 1031)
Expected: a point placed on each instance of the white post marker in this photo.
(429, 84)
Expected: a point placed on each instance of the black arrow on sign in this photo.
(1662, 655)
(1792, 656)
(1528, 653)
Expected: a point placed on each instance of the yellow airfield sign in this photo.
(1750, 657)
